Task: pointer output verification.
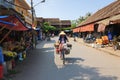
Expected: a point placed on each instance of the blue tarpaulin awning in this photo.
(3, 16)
(4, 22)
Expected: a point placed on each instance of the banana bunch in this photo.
(10, 53)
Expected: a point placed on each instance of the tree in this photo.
(88, 15)
(80, 20)
(47, 27)
(83, 18)
(73, 23)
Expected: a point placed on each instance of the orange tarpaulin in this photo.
(75, 30)
(89, 27)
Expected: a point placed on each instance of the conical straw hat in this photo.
(62, 33)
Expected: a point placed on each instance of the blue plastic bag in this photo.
(1, 56)
(20, 57)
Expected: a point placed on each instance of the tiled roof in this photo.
(106, 12)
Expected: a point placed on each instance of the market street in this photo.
(84, 63)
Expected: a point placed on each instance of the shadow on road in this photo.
(40, 65)
(79, 72)
(73, 70)
(73, 60)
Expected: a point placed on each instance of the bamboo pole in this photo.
(2, 28)
(5, 36)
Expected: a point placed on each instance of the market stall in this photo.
(14, 40)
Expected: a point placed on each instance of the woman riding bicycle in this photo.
(62, 40)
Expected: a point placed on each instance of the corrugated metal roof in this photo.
(106, 12)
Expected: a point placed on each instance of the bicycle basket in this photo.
(69, 45)
(67, 51)
(56, 45)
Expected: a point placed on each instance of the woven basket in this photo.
(56, 45)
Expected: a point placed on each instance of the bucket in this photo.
(1, 72)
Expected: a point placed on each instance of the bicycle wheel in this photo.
(63, 56)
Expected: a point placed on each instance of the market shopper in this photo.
(110, 36)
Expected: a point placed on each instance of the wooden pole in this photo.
(5, 36)
(2, 28)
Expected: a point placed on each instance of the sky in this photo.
(67, 9)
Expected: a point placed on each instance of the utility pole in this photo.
(33, 35)
(32, 11)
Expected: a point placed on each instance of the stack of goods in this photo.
(105, 40)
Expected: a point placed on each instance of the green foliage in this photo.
(68, 28)
(52, 28)
(73, 25)
(47, 27)
(80, 20)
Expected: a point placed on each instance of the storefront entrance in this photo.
(114, 29)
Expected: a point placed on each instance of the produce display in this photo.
(10, 53)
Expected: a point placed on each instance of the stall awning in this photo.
(18, 24)
(3, 16)
(85, 28)
(75, 30)
(7, 23)
(101, 27)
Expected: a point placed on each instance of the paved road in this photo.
(84, 63)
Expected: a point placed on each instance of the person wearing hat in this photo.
(62, 40)
(62, 37)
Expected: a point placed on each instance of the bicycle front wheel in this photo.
(63, 56)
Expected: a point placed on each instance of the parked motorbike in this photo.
(89, 40)
(116, 46)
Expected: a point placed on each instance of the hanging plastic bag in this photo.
(1, 56)
(20, 57)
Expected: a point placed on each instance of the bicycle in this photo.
(62, 52)
(62, 49)
(65, 49)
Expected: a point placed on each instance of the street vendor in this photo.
(62, 40)
(62, 37)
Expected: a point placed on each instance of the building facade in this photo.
(56, 22)
(19, 8)
(104, 20)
